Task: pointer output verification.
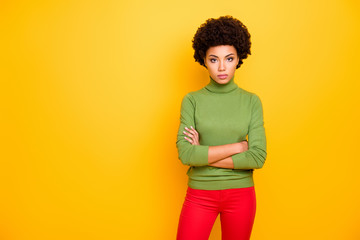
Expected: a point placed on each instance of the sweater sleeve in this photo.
(255, 156)
(191, 155)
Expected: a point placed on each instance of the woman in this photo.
(211, 140)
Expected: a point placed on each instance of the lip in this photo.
(222, 76)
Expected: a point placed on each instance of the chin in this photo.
(222, 81)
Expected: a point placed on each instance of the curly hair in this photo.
(225, 30)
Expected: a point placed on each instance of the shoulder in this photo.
(188, 97)
(188, 101)
(191, 96)
(251, 95)
(246, 92)
(192, 99)
(253, 98)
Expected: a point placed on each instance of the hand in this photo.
(244, 146)
(193, 136)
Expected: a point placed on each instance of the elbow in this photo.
(189, 160)
(184, 160)
(249, 159)
(183, 155)
(193, 155)
(260, 161)
(259, 165)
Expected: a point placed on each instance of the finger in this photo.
(187, 129)
(190, 140)
(195, 132)
(189, 134)
(192, 131)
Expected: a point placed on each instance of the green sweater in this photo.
(221, 114)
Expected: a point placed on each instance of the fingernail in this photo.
(192, 127)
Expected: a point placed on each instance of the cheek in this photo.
(211, 70)
(233, 67)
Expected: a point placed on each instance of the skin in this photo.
(219, 60)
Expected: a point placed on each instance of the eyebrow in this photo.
(217, 56)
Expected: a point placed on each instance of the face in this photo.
(221, 62)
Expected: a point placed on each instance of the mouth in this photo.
(222, 76)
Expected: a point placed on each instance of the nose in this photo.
(222, 66)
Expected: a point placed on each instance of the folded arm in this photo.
(255, 156)
(235, 155)
(224, 163)
(190, 152)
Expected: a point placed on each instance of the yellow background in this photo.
(90, 102)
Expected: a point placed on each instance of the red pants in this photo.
(236, 206)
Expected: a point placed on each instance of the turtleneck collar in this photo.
(215, 87)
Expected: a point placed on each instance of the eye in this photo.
(212, 60)
(230, 59)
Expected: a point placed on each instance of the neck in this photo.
(215, 87)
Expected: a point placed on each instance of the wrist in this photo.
(239, 147)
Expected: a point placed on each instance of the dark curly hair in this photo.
(225, 30)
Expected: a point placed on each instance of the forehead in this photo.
(221, 50)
